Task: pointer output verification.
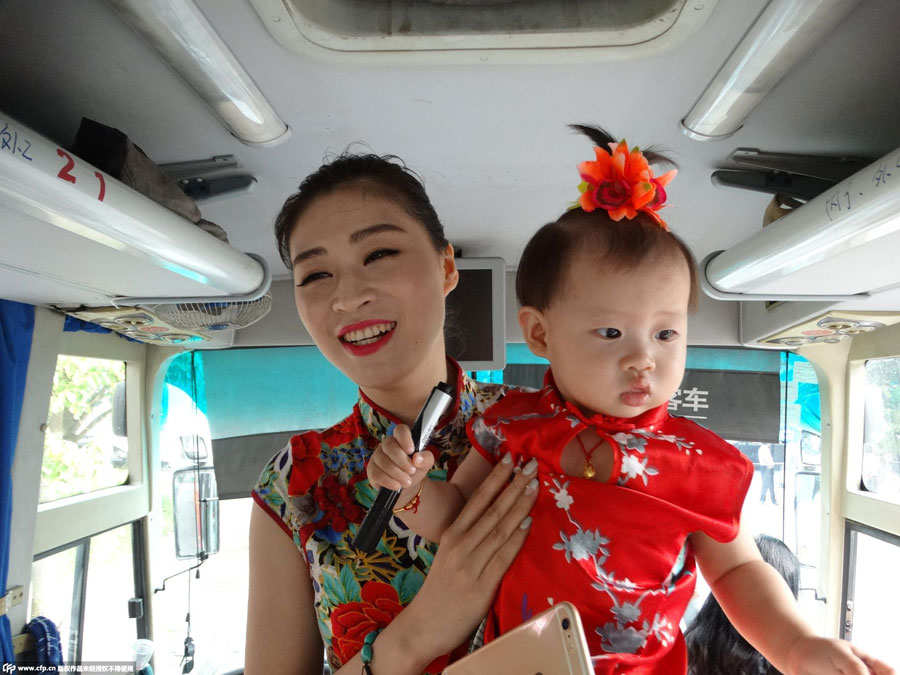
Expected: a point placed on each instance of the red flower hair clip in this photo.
(622, 183)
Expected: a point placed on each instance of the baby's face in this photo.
(617, 340)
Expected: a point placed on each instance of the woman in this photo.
(372, 268)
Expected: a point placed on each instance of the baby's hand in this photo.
(393, 464)
(816, 655)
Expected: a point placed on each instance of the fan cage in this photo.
(214, 316)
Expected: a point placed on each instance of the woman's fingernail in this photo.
(507, 458)
(525, 524)
(532, 486)
(530, 467)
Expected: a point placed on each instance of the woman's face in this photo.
(370, 289)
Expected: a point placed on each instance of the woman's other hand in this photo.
(825, 656)
(394, 464)
(475, 552)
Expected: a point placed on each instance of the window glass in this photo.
(875, 595)
(265, 390)
(60, 591)
(254, 395)
(219, 591)
(56, 594)
(81, 451)
(108, 632)
(881, 435)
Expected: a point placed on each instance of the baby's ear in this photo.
(534, 330)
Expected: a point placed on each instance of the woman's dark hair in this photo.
(619, 245)
(714, 646)
(383, 176)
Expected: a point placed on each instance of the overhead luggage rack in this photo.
(76, 237)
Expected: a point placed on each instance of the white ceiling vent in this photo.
(455, 31)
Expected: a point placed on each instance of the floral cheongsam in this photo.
(317, 491)
(618, 550)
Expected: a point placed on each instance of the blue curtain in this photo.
(16, 328)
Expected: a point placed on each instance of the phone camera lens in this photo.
(565, 624)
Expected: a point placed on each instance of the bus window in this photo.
(57, 592)
(881, 433)
(215, 594)
(85, 590)
(81, 451)
(242, 405)
(871, 596)
(87, 572)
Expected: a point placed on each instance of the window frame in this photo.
(79, 591)
(851, 530)
(858, 504)
(64, 521)
(80, 581)
(842, 380)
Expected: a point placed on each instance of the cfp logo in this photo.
(9, 668)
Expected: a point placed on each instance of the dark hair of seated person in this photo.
(714, 646)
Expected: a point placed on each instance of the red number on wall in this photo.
(64, 172)
(102, 185)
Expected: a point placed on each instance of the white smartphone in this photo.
(551, 643)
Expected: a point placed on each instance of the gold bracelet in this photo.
(413, 504)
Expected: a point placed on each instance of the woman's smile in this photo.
(360, 333)
(366, 337)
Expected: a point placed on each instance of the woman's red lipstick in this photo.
(366, 337)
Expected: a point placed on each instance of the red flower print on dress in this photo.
(345, 431)
(352, 621)
(306, 465)
(336, 502)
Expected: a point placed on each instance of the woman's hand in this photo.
(395, 466)
(817, 655)
(475, 552)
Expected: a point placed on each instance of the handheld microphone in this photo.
(376, 520)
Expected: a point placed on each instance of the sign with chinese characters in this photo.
(738, 406)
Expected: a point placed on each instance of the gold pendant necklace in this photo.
(588, 471)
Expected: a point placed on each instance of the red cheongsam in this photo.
(618, 550)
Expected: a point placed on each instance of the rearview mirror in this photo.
(195, 502)
(810, 448)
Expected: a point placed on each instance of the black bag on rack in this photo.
(114, 153)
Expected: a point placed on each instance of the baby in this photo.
(629, 496)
